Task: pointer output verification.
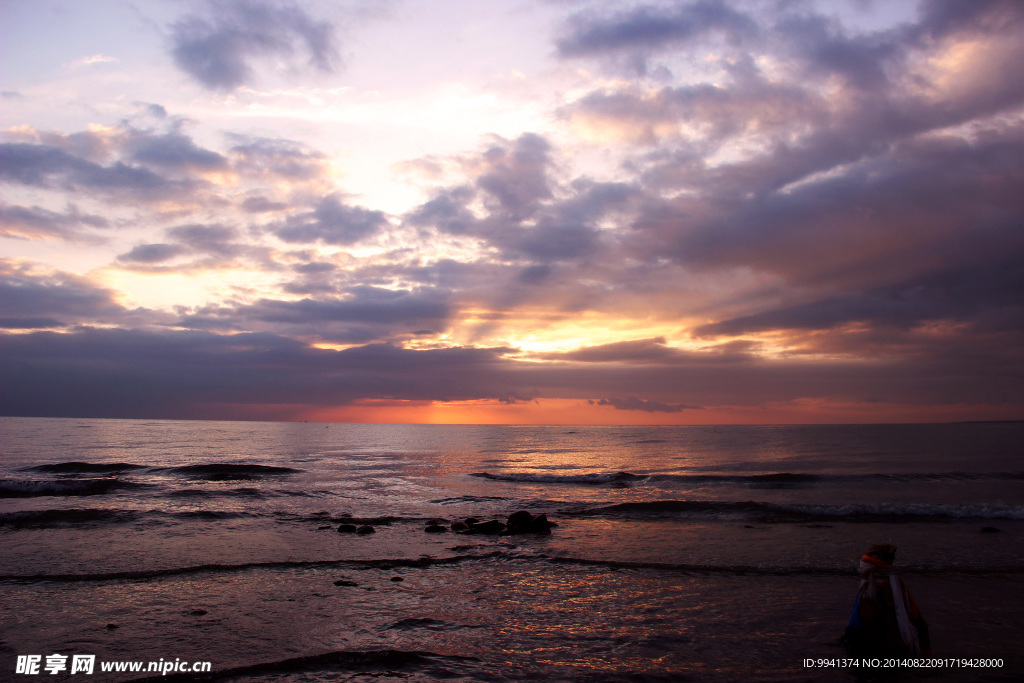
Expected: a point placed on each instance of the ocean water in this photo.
(680, 553)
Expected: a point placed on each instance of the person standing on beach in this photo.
(886, 620)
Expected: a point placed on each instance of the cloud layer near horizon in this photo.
(745, 205)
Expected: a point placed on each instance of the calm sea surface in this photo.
(681, 553)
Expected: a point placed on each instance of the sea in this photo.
(692, 553)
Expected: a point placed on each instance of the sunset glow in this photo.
(542, 213)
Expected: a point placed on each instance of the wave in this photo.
(500, 556)
(220, 471)
(776, 512)
(594, 478)
(753, 480)
(80, 517)
(31, 488)
(46, 519)
(461, 500)
(142, 575)
(84, 468)
(767, 570)
(245, 492)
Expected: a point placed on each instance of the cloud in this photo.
(107, 372)
(649, 28)
(153, 253)
(634, 403)
(218, 52)
(91, 60)
(215, 246)
(31, 297)
(990, 294)
(356, 314)
(703, 114)
(512, 203)
(515, 176)
(35, 223)
(275, 159)
(174, 151)
(840, 227)
(333, 222)
(43, 165)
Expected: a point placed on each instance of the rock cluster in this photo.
(521, 522)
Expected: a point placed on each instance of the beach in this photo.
(680, 553)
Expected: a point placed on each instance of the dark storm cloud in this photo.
(333, 222)
(35, 222)
(29, 298)
(647, 28)
(218, 52)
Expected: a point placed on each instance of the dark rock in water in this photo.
(990, 530)
(472, 520)
(492, 527)
(435, 522)
(198, 612)
(523, 522)
(519, 518)
(111, 627)
(347, 529)
(396, 579)
(321, 528)
(366, 529)
(459, 526)
(436, 529)
(345, 582)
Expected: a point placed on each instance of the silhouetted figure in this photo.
(886, 621)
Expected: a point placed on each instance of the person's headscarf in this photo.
(876, 569)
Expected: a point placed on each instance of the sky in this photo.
(513, 211)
